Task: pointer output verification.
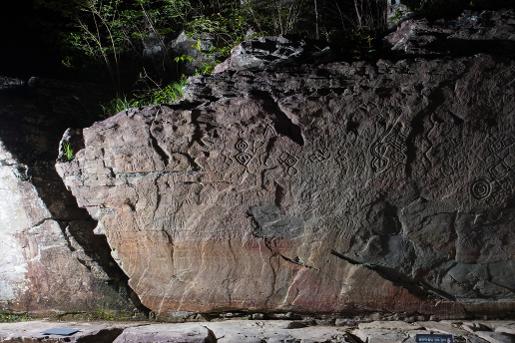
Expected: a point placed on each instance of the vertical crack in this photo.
(155, 144)
(279, 195)
(282, 123)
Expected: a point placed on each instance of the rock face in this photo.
(342, 187)
(50, 261)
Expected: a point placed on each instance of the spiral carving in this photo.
(481, 189)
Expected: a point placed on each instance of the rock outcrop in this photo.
(341, 187)
(50, 261)
(264, 52)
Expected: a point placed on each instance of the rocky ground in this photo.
(261, 331)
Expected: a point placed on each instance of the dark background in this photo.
(29, 42)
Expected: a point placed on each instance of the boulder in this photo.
(50, 261)
(263, 52)
(315, 189)
(193, 54)
(397, 13)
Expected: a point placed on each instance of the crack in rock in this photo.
(416, 287)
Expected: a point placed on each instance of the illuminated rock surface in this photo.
(339, 187)
(278, 185)
(251, 331)
(50, 261)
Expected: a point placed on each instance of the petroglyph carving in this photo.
(501, 170)
(379, 160)
(320, 155)
(421, 228)
(481, 189)
(389, 149)
(289, 161)
(241, 145)
(243, 158)
(498, 145)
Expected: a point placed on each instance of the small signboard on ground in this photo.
(423, 338)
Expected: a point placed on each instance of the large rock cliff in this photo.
(384, 186)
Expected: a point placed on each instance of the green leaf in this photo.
(68, 151)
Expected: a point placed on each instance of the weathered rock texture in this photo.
(339, 187)
(34, 332)
(263, 52)
(50, 261)
(260, 331)
(317, 189)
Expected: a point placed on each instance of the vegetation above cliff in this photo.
(133, 39)
(131, 44)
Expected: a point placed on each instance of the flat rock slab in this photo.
(387, 336)
(506, 328)
(444, 327)
(242, 331)
(92, 332)
(390, 325)
(496, 337)
(237, 331)
(173, 333)
(233, 331)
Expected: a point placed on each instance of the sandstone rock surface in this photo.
(234, 331)
(34, 331)
(341, 187)
(50, 261)
(244, 331)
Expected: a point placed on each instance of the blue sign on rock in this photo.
(422, 338)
